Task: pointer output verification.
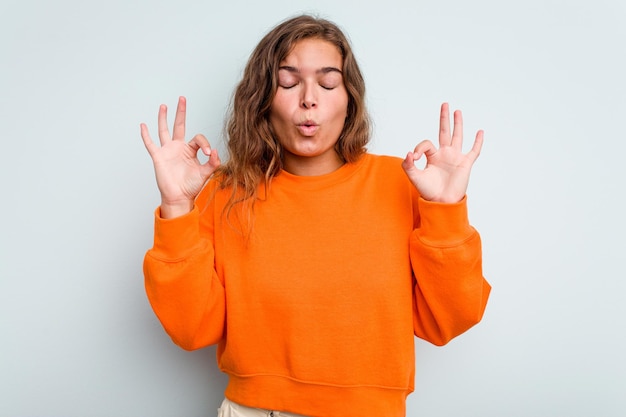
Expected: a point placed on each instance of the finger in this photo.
(179, 122)
(425, 147)
(414, 173)
(164, 133)
(212, 164)
(444, 125)
(408, 164)
(201, 142)
(476, 148)
(457, 132)
(147, 140)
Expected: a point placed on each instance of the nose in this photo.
(309, 97)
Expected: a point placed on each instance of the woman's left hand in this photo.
(446, 175)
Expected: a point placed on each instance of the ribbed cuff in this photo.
(443, 224)
(175, 239)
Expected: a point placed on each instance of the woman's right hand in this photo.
(180, 175)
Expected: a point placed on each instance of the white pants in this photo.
(231, 409)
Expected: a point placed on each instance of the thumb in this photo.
(209, 167)
(408, 164)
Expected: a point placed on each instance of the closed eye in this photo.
(330, 80)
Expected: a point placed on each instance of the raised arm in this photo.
(450, 290)
(181, 283)
(446, 256)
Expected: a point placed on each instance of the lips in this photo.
(308, 128)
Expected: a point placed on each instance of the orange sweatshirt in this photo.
(315, 312)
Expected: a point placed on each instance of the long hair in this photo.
(255, 154)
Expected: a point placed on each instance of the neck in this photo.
(312, 166)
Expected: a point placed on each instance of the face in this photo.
(310, 107)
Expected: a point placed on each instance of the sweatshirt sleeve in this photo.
(182, 286)
(450, 290)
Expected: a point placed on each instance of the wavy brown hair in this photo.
(255, 154)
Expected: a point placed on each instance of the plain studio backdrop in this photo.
(544, 79)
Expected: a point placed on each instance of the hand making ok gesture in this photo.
(446, 174)
(179, 173)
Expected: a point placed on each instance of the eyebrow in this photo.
(323, 70)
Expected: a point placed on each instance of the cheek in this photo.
(280, 109)
(342, 109)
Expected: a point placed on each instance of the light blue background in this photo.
(545, 79)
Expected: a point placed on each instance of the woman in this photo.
(311, 263)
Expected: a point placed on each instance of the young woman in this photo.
(311, 263)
